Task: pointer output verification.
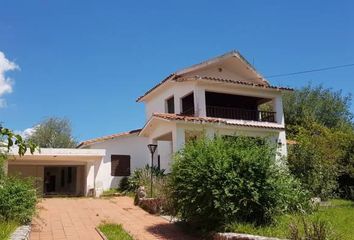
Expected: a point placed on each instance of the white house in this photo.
(224, 95)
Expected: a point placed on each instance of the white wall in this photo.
(131, 145)
(157, 103)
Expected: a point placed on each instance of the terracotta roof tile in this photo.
(245, 83)
(244, 123)
(173, 77)
(104, 138)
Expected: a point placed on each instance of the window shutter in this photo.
(120, 165)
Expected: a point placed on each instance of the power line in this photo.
(310, 71)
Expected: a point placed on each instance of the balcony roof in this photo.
(210, 120)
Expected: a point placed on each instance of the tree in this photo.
(54, 133)
(316, 104)
(315, 159)
(320, 121)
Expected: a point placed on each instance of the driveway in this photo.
(76, 218)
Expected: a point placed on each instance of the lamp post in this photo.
(152, 148)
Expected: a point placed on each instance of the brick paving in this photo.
(76, 218)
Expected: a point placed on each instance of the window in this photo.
(120, 165)
(170, 104)
(188, 105)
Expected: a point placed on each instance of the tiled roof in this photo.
(104, 138)
(169, 77)
(244, 123)
(175, 77)
(245, 83)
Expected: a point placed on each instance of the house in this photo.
(221, 96)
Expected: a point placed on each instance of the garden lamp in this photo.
(152, 148)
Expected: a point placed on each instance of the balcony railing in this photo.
(238, 113)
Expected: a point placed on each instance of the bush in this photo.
(142, 177)
(315, 159)
(219, 181)
(311, 230)
(17, 199)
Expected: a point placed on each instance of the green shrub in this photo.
(124, 184)
(17, 199)
(311, 230)
(142, 177)
(215, 182)
(314, 160)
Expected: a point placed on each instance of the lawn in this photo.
(114, 232)
(6, 228)
(338, 214)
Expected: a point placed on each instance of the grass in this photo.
(116, 192)
(114, 231)
(109, 193)
(6, 228)
(338, 214)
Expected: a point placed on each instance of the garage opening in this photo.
(62, 181)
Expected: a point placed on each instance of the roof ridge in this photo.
(107, 137)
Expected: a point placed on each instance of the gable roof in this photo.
(108, 137)
(178, 75)
(244, 123)
(172, 117)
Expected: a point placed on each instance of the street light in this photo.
(152, 148)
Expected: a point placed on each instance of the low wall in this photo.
(238, 236)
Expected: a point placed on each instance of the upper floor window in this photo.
(170, 105)
(188, 105)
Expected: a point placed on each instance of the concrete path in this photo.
(76, 218)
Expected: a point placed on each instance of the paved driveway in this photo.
(76, 218)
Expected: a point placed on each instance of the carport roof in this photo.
(59, 154)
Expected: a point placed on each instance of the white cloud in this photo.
(27, 132)
(6, 83)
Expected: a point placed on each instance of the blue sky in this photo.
(89, 60)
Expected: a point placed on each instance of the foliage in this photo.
(17, 199)
(109, 193)
(114, 231)
(54, 133)
(337, 215)
(9, 139)
(320, 121)
(218, 181)
(316, 104)
(310, 230)
(142, 177)
(315, 158)
(6, 228)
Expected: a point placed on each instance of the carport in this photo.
(59, 172)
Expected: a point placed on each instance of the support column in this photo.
(199, 102)
(178, 138)
(90, 178)
(5, 166)
(210, 133)
(278, 108)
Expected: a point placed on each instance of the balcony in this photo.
(239, 113)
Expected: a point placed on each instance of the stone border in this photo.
(101, 233)
(21, 233)
(239, 236)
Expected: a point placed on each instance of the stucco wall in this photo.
(28, 171)
(131, 145)
(157, 103)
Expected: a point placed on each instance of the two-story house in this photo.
(224, 95)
